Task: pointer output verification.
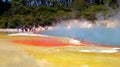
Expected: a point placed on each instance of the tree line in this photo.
(47, 12)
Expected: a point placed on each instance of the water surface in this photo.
(96, 34)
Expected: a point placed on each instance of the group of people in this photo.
(31, 28)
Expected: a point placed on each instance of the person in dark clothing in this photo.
(22, 29)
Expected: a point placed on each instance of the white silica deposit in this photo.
(74, 41)
(100, 51)
(26, 34)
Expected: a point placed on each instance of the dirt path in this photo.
(10, 56)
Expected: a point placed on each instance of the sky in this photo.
(4, 0)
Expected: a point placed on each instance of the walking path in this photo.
(15, 30)
(19, 30)
(8, 30)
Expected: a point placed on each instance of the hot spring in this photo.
(104, 32)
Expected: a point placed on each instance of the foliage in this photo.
(91, 11)
(48, 12)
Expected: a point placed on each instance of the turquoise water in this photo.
(97, 34)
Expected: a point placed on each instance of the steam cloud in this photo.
(83, 30)
(105, 32)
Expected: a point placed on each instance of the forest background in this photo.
(48, 12)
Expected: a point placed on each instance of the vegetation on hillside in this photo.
(47, 12)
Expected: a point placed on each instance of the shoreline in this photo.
(56, 43)
(71, 40)
(13, 30)
(9, 30)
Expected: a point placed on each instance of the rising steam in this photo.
(105, 32)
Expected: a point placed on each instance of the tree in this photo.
(79, 5)
(107, 2)
(4, 6)
(47, 12)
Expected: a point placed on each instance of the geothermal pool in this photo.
(97, 34)
(35, 50)
(62, 46)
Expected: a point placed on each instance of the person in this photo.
(46, 27)
(26, 29)
(30, 28)
(22, 29)
(17, 27)
(39, 28)
(33, 28)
